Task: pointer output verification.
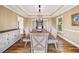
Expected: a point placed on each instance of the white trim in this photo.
(69, 41)
(71, 30)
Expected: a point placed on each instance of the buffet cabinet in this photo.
(7, 39)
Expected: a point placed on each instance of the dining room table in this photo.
(50, 36)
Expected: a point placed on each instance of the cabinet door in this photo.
(3, 42)
(9, 39)
(15, 35)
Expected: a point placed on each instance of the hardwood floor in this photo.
(64, 47)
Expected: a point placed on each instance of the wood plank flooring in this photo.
(64, 47)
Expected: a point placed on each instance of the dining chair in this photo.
(30, 29)
(26, 31)
(54, 39)
(48, 29)
(39, 42)
(26, 38)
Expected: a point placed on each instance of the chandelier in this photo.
(39, 19)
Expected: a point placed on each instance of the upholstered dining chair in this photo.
(54, 39)
(26, 38)
(48, 29)
(39, 42)
(26, 31)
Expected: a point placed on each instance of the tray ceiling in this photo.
(46, 10)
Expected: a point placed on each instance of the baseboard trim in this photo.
(68, 40)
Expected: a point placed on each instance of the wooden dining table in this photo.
(50, 36)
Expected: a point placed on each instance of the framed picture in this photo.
(75, 19)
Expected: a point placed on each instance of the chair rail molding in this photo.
(71, 30)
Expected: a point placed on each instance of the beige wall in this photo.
(53, 20)
(67, 22)
(8, 19)
(70, 32)
(49, 21)
(27, 22)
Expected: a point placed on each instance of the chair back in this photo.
(54, 32)
(39, 42)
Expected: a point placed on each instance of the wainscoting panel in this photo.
(71, 36)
